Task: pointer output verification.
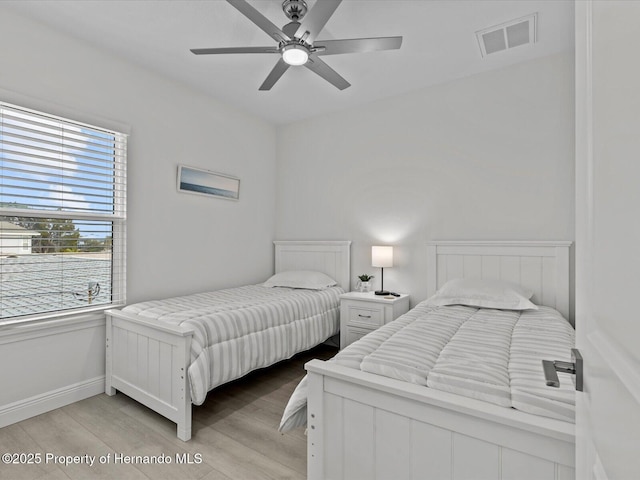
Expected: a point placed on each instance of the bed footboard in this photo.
(148, 361)
(366, 426)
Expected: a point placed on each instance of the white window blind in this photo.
(62, 215)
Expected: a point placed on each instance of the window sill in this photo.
(35, 326)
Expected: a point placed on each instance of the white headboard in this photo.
(330, 257)
(542, 266)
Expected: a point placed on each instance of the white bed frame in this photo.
(362, 425)
(148, 360)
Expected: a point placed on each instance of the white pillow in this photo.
(301, 279)
(484, 293)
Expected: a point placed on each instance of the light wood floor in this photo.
(235, 432)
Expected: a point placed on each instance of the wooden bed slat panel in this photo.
(525, 467)
(359, 440)
(132, 358)
(334, 430)
(490, 266)
(166, 385)
(510, 269)
(472, 266)
(143, 361)
(531, 276)
(431, 451)
(392, 445)
(154, 367)
(475, 459)
(455, 266)
(548, 282)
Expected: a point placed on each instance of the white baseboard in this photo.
(45, 402)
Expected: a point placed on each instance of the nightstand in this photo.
(361, 313)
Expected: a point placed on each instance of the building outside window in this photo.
(62, 215)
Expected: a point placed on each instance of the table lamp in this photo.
(382, 257)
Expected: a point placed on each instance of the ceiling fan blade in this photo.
(275, 75)
(260, 20)
(358, 45)
(316, 19)
(318, 66)
(212, 51)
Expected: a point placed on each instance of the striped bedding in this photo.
(238, 330)
(486, 354)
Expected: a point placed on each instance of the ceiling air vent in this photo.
(507, 35)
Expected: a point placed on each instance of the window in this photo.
(62, 215)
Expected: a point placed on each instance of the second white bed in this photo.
(485, 354)
(372, 425)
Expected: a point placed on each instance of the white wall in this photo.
(177, 243)
(485, 157)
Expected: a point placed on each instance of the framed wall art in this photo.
(205, 182)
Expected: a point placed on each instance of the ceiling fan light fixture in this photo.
(295, 55)
(296, 40)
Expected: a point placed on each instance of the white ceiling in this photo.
(439, 45)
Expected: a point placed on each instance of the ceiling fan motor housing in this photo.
(294, 9)
(296, 40)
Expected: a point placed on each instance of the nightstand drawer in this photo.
(352, 334)
(364, 312)
(370, 317)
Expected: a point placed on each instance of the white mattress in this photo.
(241, 329)
(486, 354)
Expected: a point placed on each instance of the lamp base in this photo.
(381, 292)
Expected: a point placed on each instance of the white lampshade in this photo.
(382, 257)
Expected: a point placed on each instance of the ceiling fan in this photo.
(297, 43)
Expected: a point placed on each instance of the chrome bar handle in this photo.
(550, 375)
(576, 356)
(575, 367)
